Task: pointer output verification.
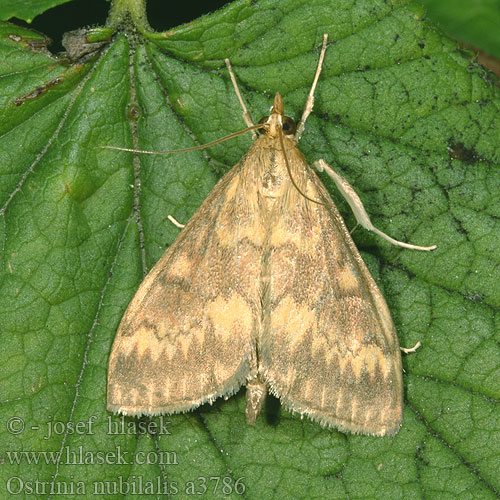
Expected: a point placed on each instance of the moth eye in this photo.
(289, 126)
(262, 120)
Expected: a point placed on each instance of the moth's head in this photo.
(278, 105)
(276, 121)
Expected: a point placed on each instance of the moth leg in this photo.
(357, 206)
(256, 397)
(407, 350)
(175, 222)
(310, 98)
(246, 114)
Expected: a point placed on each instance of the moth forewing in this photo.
(176, 345)
(328, 348)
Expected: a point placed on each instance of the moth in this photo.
(264, 287)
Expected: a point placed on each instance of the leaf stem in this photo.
(133, 9)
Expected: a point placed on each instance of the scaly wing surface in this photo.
(176, 344)
(329, 347)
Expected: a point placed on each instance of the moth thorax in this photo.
(272, 184)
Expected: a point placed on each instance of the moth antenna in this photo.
(246, 114)
(195, 148)
(310, 98)
(289, 170)
(354, 228)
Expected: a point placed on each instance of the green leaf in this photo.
(475, 23)
(402, 113)
(26, 10)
